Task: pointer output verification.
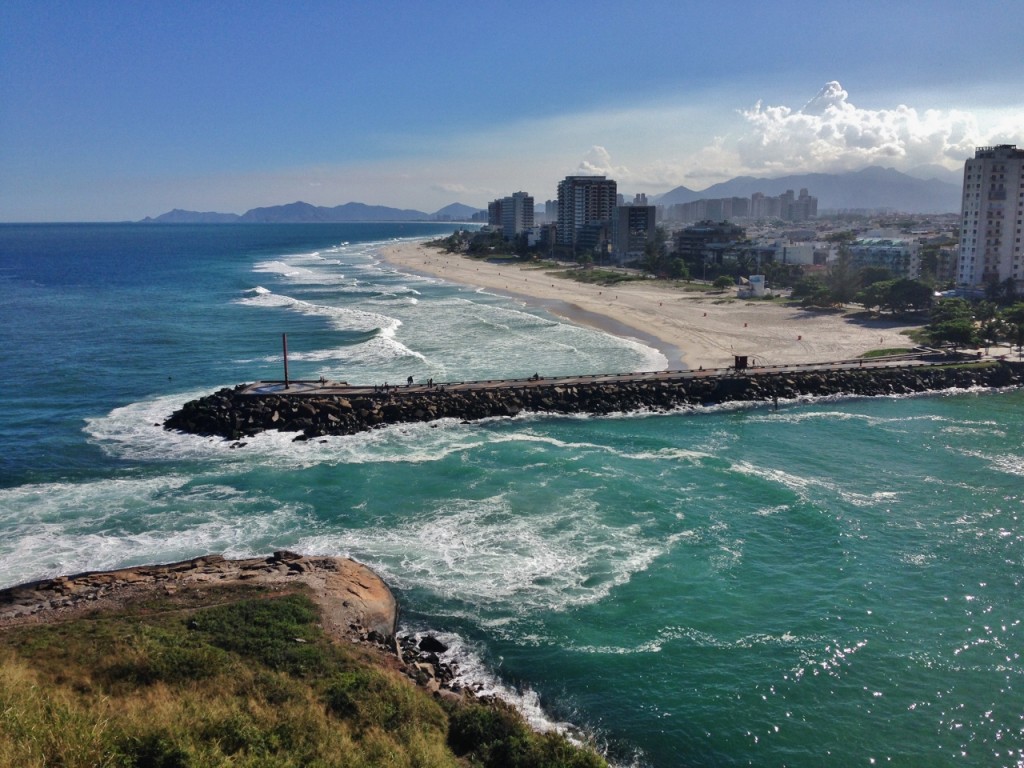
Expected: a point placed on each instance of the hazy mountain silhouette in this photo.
(873, 187)
(304, 213)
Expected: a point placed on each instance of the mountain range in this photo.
(871, 188)
(304, 213)
(926, 189)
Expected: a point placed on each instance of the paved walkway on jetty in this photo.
(327, 387)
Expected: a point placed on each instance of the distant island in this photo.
(304, 213)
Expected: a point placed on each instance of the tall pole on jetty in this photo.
(284, 346)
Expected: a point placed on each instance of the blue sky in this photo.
(119, 110)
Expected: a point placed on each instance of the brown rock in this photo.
(349, 594)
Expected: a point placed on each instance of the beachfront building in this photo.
(494, 213)
(586, 206)
(992, 215)
(513, 215)
(516, 214)
(898, 256)
(632, 228)
(707, 241)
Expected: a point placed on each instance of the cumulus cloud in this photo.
(829, 133)
(598, 162)
(657, 174)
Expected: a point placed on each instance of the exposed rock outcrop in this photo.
(354, 601)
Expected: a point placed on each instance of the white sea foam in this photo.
(475, 674)
(1008, 463)
(697, 637)
(343, 318)
(807, 488)
(302, 272)
(487, 555)
(61, 528)
(135, 431)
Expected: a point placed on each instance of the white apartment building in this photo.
(901, 257)
(991, 218)
(516, 214)
(585, 204)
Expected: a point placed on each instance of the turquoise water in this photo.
(835, 583)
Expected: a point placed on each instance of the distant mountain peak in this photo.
(301, 212)
(869, 188)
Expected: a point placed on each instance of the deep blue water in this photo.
(835, 583)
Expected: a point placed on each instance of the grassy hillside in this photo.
(239, 677)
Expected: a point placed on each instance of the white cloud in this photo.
(831, 134)
(662, 145)
(598, 162)
(697, 141)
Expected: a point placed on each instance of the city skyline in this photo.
(115, 111)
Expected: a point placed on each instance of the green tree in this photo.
(951, 309)
(985, 310)
(1009, 292)
(960, 332)
(678, 269)
(871, 275)
(1013, 319)
(929, 261)
(820, 297)
(1015, 314)
(875, 294)
(994, 330)
(808, 286)
(907, 294)
(843, 280)
(723, 282)
(656, 259)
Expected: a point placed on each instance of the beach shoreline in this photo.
(691, 329)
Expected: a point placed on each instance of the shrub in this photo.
(494, 735)
(374, 699)
(279, 633)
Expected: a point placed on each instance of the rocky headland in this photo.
(355, 604)
(286, 659)
(236, 413)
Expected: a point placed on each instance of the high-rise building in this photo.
(513, 214)
(516, 214)
(494, 213)
(992, 213)
(585, 205)
(801, 208)
(632, 228)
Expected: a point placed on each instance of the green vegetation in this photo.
(250, 682)
(887, 352)
(659, 260)
(597, 276)
(723, 282)
(958, 323)
(897, 296)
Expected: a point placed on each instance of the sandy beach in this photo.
(690, 328)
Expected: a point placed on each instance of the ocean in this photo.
(838, 582)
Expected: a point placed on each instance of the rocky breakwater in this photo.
(235, 413)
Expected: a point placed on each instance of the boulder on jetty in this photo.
(238, 413)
